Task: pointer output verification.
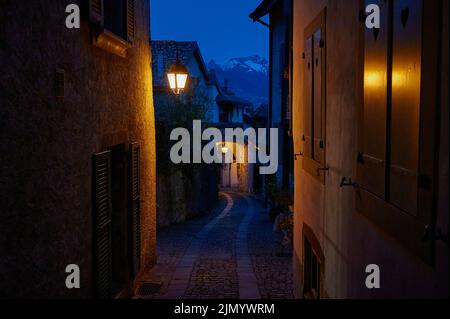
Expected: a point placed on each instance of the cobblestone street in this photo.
(231, 252)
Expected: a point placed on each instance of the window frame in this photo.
(309, 164)
(316, 251)
(106, 39)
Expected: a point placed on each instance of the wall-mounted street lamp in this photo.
(222, 147)
(177, 76)
(224, 150)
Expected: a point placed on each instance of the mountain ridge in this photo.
(247, 77)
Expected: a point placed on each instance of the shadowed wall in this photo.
(46, 144)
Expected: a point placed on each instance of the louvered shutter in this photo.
(308, 74)
(372, 152)
(135, 208)
(102, 224)
(405, 121)
(319, 97)
(96, 12)
(131, 23)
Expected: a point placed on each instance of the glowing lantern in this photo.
(224, 149)
(177, 76)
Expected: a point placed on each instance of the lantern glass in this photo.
(172, 82)
(181, 81)
(177, 76)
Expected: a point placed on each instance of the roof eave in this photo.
(262, 10)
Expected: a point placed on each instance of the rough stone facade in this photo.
(46, 144)
(184, 195)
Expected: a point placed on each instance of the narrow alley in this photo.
(180, 153)
(232, 252)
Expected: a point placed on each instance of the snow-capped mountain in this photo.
(247, 77)
(249, 64)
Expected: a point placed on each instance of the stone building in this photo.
(183, 191)
(370, 117)
(201, 80)
(233, 113)
(279, 27)
(77, 145)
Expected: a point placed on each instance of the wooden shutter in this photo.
(135, 208)
(315, 101)
(96, 12)
(372, 153)
(102, 224)
(406, 206)
(308, 111)
(405, 119)
(319, 96)
(131, 23)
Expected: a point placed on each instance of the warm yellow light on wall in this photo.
(373, 79)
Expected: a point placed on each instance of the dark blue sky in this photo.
(222, 27)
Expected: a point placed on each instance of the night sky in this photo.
(221, 27)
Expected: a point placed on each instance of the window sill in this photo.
(112, 43)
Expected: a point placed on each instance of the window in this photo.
(397, 121)
(313, 265)
(114, 17)
(113, 24)
(314, 57)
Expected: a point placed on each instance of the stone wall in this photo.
(46, 144)
(184, 193)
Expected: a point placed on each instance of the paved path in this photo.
(230, 253)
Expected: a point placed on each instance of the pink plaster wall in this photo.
(349, 240)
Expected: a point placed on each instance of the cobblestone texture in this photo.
(196, 263)
(271, 261)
